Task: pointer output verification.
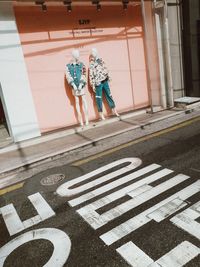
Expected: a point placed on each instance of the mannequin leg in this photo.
(101, 116)
(85, 109)
(78, 110)
(99, 100)
(109, 98)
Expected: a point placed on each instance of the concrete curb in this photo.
(67, 132)
(53, 155)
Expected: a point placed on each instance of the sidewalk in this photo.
(33, 151)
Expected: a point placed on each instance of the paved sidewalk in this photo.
(25, 153)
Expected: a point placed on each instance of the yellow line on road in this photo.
(11, 188)
(139, 140)
(112, 150)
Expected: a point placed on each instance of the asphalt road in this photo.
(144, 215)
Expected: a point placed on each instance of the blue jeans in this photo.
(104, 87)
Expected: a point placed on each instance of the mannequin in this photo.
(99, 78)
(76, 77)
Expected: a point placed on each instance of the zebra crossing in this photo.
(139, 192)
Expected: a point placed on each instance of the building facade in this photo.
(191, 46)
(136, 43)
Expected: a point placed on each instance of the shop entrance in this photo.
(2, 115)
(191, 46)
(117, 34)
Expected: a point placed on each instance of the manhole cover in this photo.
(52, 179)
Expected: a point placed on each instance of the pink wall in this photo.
(47, 40)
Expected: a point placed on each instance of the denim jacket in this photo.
(76, 73)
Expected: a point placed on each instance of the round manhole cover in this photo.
(52, 179)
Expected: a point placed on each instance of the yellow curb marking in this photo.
(112, 150)
(150, 136)
(11, 188)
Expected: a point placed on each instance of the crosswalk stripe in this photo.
(112, 185)
(177, 257)
(134, 223)
(186, 220)
(94, 219)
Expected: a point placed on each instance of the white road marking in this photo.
(186, 220)
(134, 255)
(95, 220)
(136, 201)
(13, 221)
(64, 190)
(140, 190)
(59, 239)
(177, 257)
(32, 221)
(134, 223)
(42, 207)
(167, 209)
(112, 185)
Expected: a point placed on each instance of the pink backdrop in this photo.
(47, 41)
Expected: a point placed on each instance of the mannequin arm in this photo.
(69, 77)
(92, 79)
(106, 70)
(83, 80)
(80, 86)
(74, 86)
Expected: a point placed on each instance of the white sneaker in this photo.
(114, 111)
(102, 116)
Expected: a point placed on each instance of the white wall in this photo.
(176, 48)
(153, 59)
(15, 88)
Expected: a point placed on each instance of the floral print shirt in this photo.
(97, 72)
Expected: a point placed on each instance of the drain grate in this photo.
(52, 179)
